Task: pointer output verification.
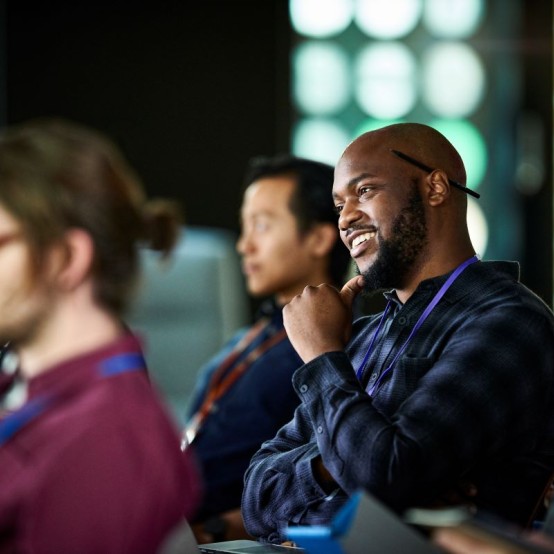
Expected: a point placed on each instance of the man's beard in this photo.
(27, 317)
(397, 255)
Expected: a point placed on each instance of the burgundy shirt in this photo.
(99, 469)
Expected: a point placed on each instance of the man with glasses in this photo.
(90, 457)
(445, 396)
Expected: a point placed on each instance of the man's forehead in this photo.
(267, 197)
(355, 162)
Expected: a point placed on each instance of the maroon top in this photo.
(100, 469)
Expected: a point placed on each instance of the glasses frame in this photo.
(425, 167)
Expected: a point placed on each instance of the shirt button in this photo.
(373, 377)
(320, 429)
(402, 320)
(304, 388)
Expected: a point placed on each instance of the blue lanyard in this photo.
(442, 291)
(115, 365)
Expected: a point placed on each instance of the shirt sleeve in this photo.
(280, 487)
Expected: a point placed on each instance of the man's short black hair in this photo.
(310, 203)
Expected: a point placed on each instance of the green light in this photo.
(453, 18)
(453, 79)
(319, 139)
(320, 18)
(387, 20)
(478, 226)
(371, 124)
(321, 79)
(386, 79)
(470, 144)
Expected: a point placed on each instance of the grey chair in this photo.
(187, 307)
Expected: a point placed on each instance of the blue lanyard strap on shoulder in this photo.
(441, 292)
(18, 420)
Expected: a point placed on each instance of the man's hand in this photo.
(320, 319)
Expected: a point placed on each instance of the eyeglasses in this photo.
(10, 237)
(421, 165)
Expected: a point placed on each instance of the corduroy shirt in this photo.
(470, 399)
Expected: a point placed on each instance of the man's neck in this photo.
(429, 269)
(67, 334)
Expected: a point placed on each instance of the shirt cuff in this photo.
(315, 377)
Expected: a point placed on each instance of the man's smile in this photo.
(357, 242)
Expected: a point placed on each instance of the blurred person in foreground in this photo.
(90, 459)
(244, 393)
(450, 389)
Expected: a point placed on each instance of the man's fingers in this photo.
(351, 289)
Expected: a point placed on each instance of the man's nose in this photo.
(349, 214)
(244, 243)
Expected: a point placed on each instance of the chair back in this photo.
(187, 307)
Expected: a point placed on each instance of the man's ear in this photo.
(79, 254)
(322, 237)
(437, 187)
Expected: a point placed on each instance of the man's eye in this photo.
(261, 226)
(338, 209)
(364, 190)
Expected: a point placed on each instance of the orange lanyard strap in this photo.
(220, 382)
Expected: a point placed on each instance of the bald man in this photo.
(447, 393)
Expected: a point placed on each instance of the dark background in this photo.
(191, 91)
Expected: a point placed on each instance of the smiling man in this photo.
(447, 392)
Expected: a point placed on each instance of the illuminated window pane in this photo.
(320, 18)
(387, 19)
(318, 139)
(470, 144)
(478, 226)
(453, 79)
(453, 18)
(321, 78)
(386, 80)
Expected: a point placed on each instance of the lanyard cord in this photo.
(16, 421)
(360, 369)
(220, 382)
(441, 292)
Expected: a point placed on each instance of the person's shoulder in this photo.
(500, 280)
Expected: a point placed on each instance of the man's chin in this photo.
(375, 280)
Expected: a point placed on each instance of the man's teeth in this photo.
(362, 238)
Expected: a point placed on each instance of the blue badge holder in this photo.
(363, 525)
(325, 539)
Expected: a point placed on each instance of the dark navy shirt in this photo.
(250, 412)
(471, 398)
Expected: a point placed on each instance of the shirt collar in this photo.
(81, 368)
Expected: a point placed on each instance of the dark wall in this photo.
(190, 90)
(536, 50)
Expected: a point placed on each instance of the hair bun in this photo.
(162, 219)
